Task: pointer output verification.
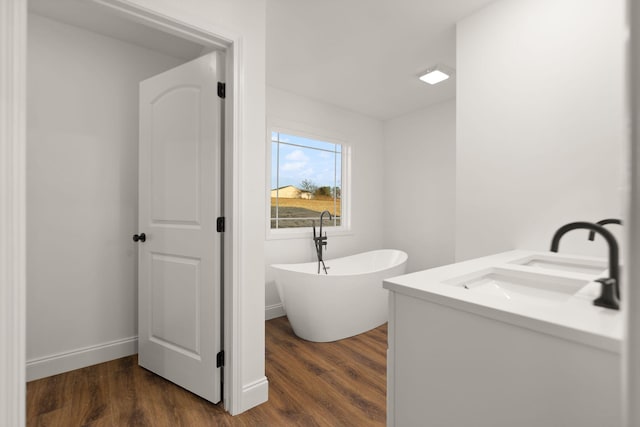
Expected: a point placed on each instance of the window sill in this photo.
(305, 233)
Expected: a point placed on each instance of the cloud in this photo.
(293, 167)
(296, 163)
(296, 156)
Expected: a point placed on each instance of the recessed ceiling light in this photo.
(436, 74)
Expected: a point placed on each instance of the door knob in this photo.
(139, 237)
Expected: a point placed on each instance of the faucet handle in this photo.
(608, 297)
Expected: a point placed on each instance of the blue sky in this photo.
(308, 159)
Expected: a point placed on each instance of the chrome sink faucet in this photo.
(320, 241)
(610, 286)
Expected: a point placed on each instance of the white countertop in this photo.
(575, 318)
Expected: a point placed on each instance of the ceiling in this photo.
(102, 20)
(360, 55)
(364, 55)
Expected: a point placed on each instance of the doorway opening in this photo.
(101, 32)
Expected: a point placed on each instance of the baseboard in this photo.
(79, 358)
(255, 393)
(273, 311)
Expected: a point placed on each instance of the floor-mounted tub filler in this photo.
(347, 301)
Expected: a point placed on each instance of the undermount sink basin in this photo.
(519, 286)
(570, 265)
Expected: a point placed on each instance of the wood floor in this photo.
(310, 384)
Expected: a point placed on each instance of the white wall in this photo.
(364, 135)
(82, 194)
(540, 112)
(419, 183)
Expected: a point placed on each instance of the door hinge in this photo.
(222, 90)
(220, 359)
(220, 224)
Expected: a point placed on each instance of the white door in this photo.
(179, 318)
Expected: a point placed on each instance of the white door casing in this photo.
(180, 195)
(13, 102)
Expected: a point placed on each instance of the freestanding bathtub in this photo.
(347, 301)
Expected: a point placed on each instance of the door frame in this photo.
(13, 72)
(631, 278)
(230, 43)
(13, 53)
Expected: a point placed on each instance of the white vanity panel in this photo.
(451, 368)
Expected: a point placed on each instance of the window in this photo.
(306, 179)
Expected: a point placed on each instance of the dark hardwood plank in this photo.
(339, 384)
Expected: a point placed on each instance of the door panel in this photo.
(175, 290)
(180, 198)
(175, 152)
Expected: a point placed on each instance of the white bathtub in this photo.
(346, 302)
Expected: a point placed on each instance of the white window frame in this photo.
(305, 131)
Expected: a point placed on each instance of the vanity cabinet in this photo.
(458, 361)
